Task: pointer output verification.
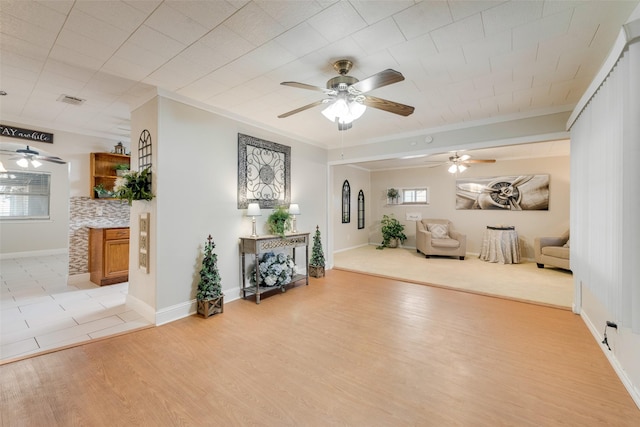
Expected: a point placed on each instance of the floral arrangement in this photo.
(275, 270)
(134, 186)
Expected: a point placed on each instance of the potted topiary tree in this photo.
(392, 232)
(316, 263)
(210, 299)
(279, 221)
(392, 195)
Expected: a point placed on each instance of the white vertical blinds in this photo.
(605, 198)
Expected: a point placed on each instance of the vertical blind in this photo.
(605, 201)
(24, 195)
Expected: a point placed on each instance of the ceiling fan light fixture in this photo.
(23, 163)
(452, 169)
(35, 163)
(462, 168)
(344, 111)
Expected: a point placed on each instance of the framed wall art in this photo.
(264, 173)
(515, 193)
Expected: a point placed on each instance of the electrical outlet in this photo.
(99, 211)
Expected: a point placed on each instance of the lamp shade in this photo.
(253, 209)
(344, 111)
(294, 209)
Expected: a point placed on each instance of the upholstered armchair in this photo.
(552, 251)
(437, 237)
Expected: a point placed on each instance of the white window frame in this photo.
(404, 192)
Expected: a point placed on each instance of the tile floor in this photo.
(39, 311)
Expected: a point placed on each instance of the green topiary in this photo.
(317, 256)
(209, 286)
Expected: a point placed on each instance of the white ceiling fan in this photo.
(26, 156)
(461, 163)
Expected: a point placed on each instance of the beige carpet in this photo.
(523, 282)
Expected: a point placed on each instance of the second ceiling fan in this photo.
(347, 99)
(461, 163)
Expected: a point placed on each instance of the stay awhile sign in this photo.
(31, 135)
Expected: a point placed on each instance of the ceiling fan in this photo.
(24, 156)
(461, 163)
(347, 99)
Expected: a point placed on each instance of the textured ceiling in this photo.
(463, 61)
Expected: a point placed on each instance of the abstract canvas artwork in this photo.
(264, 173)
(516, 193)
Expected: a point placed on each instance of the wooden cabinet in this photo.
(108, 255)
(103, 170)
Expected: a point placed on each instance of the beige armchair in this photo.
(553, 251)
(437, 237)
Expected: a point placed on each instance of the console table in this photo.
(268, 243)
(500, 244)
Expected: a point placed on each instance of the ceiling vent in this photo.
(71, 100)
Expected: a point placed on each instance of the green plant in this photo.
(279, 221)
(121, 167)
(209, 286)
(391, 229)
(392, 193)
(134, 186)
(317, 256)
(101, 191)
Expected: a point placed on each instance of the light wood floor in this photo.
(348, 350)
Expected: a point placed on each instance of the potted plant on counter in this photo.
(392, 232)
(101, 192)
(210, 299)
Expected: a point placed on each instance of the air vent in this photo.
(71, 100)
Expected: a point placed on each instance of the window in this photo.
(360, 210)
(346, 202)
(24, 195)
(416, 196)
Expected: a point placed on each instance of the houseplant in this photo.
(392, 232)
(279, 221)
(210, 299)
(134, 186)
(392, 195)
(121, 169)
(316, 263)
(102, 192)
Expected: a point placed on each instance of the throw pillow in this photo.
(438, 231)
(566, 245)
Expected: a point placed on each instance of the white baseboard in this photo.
(143, 308)
(179, 311)
(349, 248)
(613, 360)
(46, 252)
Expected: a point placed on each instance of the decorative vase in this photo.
(316, 271)
(209, 307)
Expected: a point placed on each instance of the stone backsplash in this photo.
(86, 212)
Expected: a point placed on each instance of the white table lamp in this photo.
(294, 210)
(253, 210)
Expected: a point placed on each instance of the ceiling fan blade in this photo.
(52, 159)
(464, 157)
(386, 105)
(383, 78)
(308, 87)
(306, 107)
(480, 161)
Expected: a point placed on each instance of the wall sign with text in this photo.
(28, 134)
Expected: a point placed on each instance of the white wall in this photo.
(19, 238)
(195, 181)
(529, 224)
(347, 235)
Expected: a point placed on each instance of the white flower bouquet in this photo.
(275, 270)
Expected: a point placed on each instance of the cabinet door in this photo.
(116, 258)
